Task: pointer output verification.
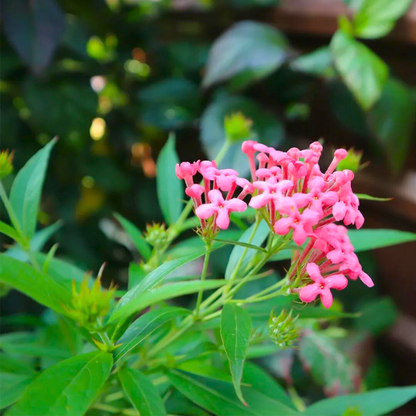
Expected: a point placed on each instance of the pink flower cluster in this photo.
(296, 197)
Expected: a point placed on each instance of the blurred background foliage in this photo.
(112, 78)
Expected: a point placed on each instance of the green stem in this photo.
(203, 276)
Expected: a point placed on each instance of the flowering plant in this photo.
(140, 352)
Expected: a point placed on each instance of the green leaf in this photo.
(141, 393)
(317, 63)
(127, 304)
(249, 49)
(260, 236)
(12, 387)
(178, 404)
(142, 327)
(173, 290)
(169, 188)
(259, 380)
(365, 197)
(266, 127)
(136, 236)
(368, 239)
(373, 403)
(67, 388)
(376, 18)
(218, 397)
(9, 231)
(39, 286)
(329, 367)
(136, 275)
(9, 364)
(241, 244)
(361, 69)
(34, 29)
(27, 187)
(392, 122)
(235, 335)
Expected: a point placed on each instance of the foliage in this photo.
(133, 353)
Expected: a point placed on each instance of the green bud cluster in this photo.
(6, 166)
(156, 234)
(282, 329)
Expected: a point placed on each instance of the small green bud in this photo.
(282, 329)
(6, 166)
(156, 234)
(237, 128)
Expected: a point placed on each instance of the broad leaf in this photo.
(361, 69)
(376, 18)
(141, 393)
(12, 387)
(39, 286)
(142, 327)
(265, 126)
(67, 388)
(317, 63)
(235, 335)
(329, 366)
(248, 49)
(27, 188)
(170, 191)
(136, 236)
(127, 304)
(238, 252)
(218, 397)
(34, 28)
(392, 122)
(372, 403)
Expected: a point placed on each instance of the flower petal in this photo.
(282, 226)
(314, 272)
(326, 298)
(309, 293)
(223, 219)
(337, 281)
(216, 197)
(205, 211)
(235, 205)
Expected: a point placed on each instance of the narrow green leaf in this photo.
(141, 393)
(136, 236)
(376, 18)
(241, 244)
(169, 188)
(372, 198)
(329, 366)
(235, 335)
(9, 231)
(368, 239)
(361, 69)
(142, 327)
(260, 236)
(67, 388)
(127, 304)
(136, 275)
(174, 290)
(49, 257)
(27, 187)
(373, 403)
(39, 286)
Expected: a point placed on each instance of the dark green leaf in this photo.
(376, 18)
(12, 387)
(169, 188)
(266, 127)
(329, 367)
(251, 49)
(317, 63)
(71, 387)
(372, 403)
(127, 304)
(27, 188)
(141, 393)
(372, 198)
(260, 236)
(34, 28)
(392, 122)
(136, 236)
(361, 69)
(142, 327)
(34, 284)
(235, 335)
(178, 404)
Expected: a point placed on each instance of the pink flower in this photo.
(271, 192)
(187, 171)
(221, 208)
(300, 223)
(321, 286)
(194, 191)
(226, 178)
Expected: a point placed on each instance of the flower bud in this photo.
(156, 234)
(282, 329)
(237, 128)
(6, 166)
